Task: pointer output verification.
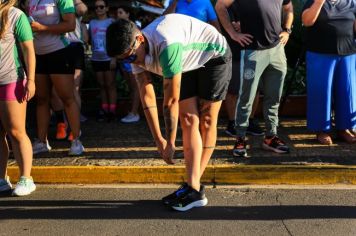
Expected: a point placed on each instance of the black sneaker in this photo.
(240, 147)
(275, 144)
(171, 198)
(254, 129)
(191, 198)
(230, 129)
(100, 116)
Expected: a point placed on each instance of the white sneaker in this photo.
(39, 147)
(5, 184)
(131, 118)
(76, 149)
(24, 187)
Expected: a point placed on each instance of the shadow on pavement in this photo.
(150, 209)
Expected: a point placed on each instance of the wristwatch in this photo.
(288, 30)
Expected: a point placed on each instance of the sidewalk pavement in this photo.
(126, 153)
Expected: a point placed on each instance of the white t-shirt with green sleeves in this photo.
(18, 29)
(179, 43)
(48, 12)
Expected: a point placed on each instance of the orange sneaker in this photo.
(61, 131)
(70, 136)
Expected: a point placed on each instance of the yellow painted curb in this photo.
(220, 174)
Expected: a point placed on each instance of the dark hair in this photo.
(127, 10)
(119, 37)
(105, 1)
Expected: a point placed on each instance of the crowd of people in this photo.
(232, 51)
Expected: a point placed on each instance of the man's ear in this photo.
(140, 38)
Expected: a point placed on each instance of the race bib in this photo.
(99, 44)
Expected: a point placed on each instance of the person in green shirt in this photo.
(16, 89)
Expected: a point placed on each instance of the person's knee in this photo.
(17, 135)
(188, 120)
(42, 99)
(206, 122)
(67, 99)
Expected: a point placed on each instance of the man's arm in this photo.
(148, 100)
(288, 17)
(222, 12)
(171, 111)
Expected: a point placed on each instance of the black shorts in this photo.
(209, 82)
(57, 62)
(100, 66)
(78, 56)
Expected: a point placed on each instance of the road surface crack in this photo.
(284, 223)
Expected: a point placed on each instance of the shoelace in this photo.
(23, 181)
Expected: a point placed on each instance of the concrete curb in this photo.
(219, 174)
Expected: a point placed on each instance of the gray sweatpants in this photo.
(270, 66)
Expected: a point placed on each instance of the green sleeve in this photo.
(170, 60)
(23, 31)
(65, 6)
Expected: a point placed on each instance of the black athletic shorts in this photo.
(57, 62)
(100, 66)
(78, 56)
(209, 82)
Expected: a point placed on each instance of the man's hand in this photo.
(284, 37)
(166, 151)
(243, 39)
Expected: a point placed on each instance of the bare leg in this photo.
(230, 105)
(208, 126)
(110, 86)
(78, 74)
(192, 141)
(134, 95)
(13, 117)
(103, 95)
(64, 86)
(43, 91)
(4, 152)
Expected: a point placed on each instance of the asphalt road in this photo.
(136, 210)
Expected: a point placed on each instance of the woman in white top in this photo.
(16, 89)
(51, 19)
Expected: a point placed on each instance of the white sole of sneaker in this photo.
(230, 134)
(239, 155)
(24, 194)
(268, 148)
(41, 151)
(254, 134)
(199, 203)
